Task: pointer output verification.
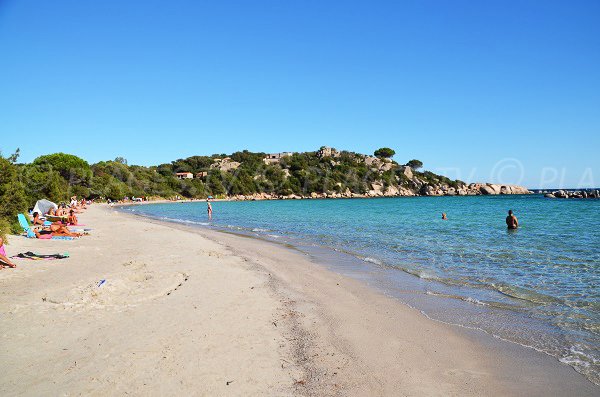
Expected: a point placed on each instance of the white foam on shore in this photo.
(474, 301)
(187, 221)
(578, 357)
(373, 260)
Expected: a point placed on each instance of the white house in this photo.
(184, 175)
(276, 157)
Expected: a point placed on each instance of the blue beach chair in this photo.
(25, 225)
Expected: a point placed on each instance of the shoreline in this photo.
(315, 196)
(333, 335)
(408, 289)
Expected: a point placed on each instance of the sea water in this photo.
(537, 286)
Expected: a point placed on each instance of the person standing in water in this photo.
(444, 217)
(209, 208)
(511, 221)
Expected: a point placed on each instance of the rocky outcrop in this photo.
(491, 188)
(326, 151)
(225, 164)
(574, 194)
(474, 189)
(377, 164)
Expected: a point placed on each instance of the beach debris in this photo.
(101, 282)
(228, 382)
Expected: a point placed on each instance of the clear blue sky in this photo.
(460, 85)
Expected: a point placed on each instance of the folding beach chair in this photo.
(25, 225)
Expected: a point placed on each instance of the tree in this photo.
(121, 160)
(384, 153)
(415, 164)
(12, 196)
(75, 170)
(15, 156)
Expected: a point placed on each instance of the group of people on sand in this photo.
(61, 227)
(512, 222)
(65, 210)
(55, 228)
(42, 227)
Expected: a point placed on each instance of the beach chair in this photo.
(29, 231)
(25, 225)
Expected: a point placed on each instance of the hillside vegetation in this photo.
(241, 175)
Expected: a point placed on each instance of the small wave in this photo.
(579, 358)
(468, 299)
(258, 229)
(421, 274)
(273, 236)
(525, 294)
(474, 301)
(373, 260)
(187, 221)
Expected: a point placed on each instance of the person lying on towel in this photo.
(56, 229)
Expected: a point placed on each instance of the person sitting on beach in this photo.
(511, 221)
(444, 217)
(72, 219)
(4, 261)
(36, 219)
(52, 212)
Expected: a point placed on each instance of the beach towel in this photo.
(34, 256)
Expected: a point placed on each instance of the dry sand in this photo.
(198, 312)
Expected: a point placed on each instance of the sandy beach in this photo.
(189, 311)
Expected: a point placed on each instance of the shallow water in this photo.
(537, 286)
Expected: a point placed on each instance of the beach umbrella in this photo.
(210, 197)
(43, 206)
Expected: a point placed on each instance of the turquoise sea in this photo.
(538, 286)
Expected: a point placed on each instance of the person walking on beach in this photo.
(209, 208)
(511, 221)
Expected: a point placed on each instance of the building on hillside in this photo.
(201, 174)
(184, 175)
(276, 157)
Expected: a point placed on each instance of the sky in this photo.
(494, 91)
